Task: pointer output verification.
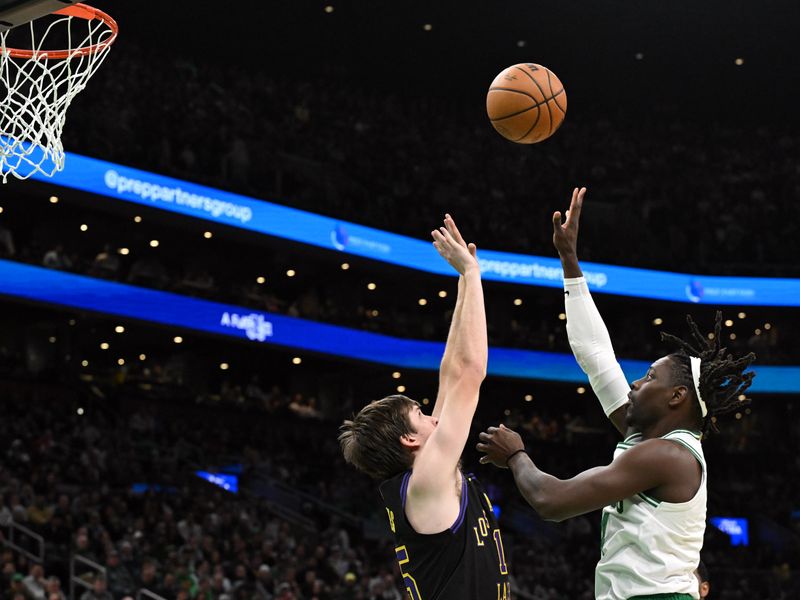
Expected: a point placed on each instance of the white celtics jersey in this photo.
(648, 546)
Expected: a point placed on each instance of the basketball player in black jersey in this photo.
(448, 544)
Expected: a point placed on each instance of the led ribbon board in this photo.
(225, 208)
(85, 293)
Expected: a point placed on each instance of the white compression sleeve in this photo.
(591, 345)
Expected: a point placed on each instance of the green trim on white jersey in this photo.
(649, 546)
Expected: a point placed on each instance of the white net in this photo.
(38, 83)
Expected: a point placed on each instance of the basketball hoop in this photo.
(37, 84)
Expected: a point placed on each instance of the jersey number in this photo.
(408, 580)
(483, 525)
(501, 555)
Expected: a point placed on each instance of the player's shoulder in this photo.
(660, 454)
(395, 486)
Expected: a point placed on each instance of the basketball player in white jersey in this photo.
(653, 493)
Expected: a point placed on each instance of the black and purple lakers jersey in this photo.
(464, 562)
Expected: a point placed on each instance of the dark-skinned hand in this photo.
(498, 444)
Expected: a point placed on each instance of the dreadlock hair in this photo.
(722, 377)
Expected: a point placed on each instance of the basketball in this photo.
(526, 103)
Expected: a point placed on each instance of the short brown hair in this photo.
(371, 441)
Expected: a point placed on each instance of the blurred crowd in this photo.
(683, 194)
(106, 471)
(89, 241)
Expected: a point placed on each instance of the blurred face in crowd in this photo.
(53, 585)
(82, 541)
(99, 585)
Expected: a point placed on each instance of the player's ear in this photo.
(409, 441)
(680, 394)
(705, 587)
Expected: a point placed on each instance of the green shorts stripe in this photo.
(663, 597)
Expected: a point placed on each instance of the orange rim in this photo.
(81, 11)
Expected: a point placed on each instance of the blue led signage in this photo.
(85, 293)
(225, 208)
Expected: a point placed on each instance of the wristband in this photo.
(510, 456)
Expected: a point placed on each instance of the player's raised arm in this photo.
(588, 336)
(449, 369)
(435, 469)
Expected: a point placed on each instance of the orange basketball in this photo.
(526, 103)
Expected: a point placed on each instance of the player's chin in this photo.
(629, 413)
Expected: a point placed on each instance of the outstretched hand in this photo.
(565, 236)
(498, 444)
(451, 246)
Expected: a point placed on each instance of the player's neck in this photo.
(665, 426)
